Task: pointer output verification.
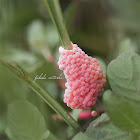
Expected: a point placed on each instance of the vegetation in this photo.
(31, 99)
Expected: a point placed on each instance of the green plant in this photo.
(35, 110)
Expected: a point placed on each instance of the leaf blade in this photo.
(124, 75)
(122, 113)
(103, 129)
(25, 122)
(22, 74)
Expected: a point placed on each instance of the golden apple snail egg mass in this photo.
(85, 80)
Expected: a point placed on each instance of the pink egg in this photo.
(94, 113)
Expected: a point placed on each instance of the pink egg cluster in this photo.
(85, 81)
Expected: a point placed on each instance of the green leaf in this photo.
(102, 64)
(103, 129)
(124, 75)
(22, 74)
(81, 136)
(25, 122)
(122, 113)
(20, 56)
(127, 45)
(36, 36)
(44, 109)
(75, 113)
(40, 36)
(52, 36)
(50, 136)
(11, 89)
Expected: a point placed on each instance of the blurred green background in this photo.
(102, 28)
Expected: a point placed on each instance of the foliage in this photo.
(107, 30)
(103, 129)
(27, 123)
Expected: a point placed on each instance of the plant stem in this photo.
(18, 71)
(57, 18)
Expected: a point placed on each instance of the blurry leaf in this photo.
(70, 132)
(46, 135)
(81, 136)
(75, 113)
(51, 35)
(45, 110)
(124, 75)
(25, 122)
(23, 58)
(102, 64)
(122, 113)
(11, 89)
(127, 45)
(36, 36)
(55, 105)
(49, 136)
(103, 129)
